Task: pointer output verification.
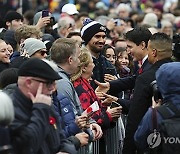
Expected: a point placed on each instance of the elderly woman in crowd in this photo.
(86, 93)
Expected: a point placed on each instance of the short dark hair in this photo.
(8, 76)
(29, 14)
(162, 42)
(107, 46)
(138, 35)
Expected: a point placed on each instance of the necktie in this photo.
(140, 69)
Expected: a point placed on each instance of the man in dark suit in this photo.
(159, 52)
(137, 42)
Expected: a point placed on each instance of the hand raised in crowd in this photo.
(97, 131)
(109, 77)
(82, 122)
(102, 87)
(115, 112)
(40, 97)
(108, 99)
(110, 25)
(83, 138)
(42, 22)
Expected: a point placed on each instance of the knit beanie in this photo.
(32, 45)
(90, 28)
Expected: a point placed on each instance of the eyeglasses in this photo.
(48, 83)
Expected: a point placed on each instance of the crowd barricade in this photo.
(114, 141)
(91, 148)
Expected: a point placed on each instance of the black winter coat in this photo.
(142, 100)
(31, 131)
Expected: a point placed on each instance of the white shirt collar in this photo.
(144, 59)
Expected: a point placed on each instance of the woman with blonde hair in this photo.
(81, 81)
(87, 96)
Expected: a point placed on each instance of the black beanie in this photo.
(12, 15)
(90, 28)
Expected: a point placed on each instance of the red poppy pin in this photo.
(52, 121)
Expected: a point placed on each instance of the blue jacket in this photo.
(67, 117)
(168, 84)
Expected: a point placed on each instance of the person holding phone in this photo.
(41, 19)
(45, 22)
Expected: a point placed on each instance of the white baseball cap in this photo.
(69, 9)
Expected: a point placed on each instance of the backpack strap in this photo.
(165, 112)
(154, 119)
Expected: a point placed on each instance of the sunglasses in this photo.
(42, 52)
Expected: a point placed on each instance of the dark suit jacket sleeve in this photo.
(125, 103)
(139, 105)
(122, 84)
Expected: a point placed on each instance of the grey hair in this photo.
(6, 109)
(123, 6)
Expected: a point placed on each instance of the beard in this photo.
(94, 48)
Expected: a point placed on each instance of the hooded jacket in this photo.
(167, 78)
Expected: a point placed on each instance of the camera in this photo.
(156, 93)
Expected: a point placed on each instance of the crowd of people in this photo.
(71, 71)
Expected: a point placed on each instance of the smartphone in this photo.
(115, 104)
(110, 71)
(45, 13)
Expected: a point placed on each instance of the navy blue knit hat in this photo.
(90, 28)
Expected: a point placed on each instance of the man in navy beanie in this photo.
(94, 35)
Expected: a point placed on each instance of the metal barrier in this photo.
(91, 148)
(115, 137)
(114, 141)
